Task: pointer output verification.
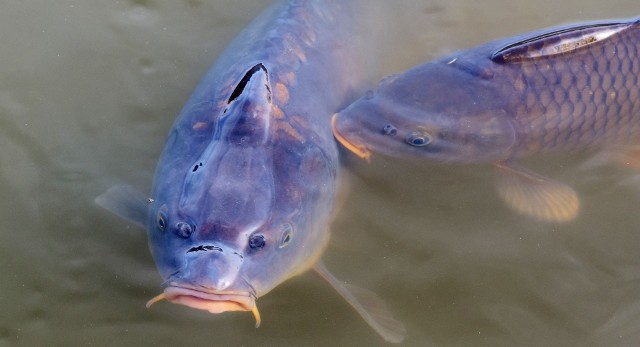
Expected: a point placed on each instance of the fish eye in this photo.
(287, 234)
(184, 229)
(161, 218)
(256, 241)
(418, 138)
(389, 130)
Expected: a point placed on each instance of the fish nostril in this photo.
(203, 248)
(389, 130)
(184, 229)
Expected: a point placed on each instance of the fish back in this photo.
(573, 88)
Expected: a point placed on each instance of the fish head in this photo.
(233, 221)
(217, 264)
(431, 112)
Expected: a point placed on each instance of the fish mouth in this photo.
(359, 150)
(213, 302)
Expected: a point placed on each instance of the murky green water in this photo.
(88, 91)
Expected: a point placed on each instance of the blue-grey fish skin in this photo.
(563, 89)
(245, 186)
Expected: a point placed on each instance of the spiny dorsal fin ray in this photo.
(559, 41)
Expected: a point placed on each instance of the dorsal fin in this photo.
(559, 41)
(243, 82)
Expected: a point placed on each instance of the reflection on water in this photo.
(87, 93)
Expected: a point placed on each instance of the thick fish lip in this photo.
(213, 302)
(359, 150)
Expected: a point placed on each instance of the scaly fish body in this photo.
(582, 98)
(569, 88)
(244, 189)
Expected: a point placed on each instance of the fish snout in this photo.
(347, 136)
(214, 267)
(210, 281)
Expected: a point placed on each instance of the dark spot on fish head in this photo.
(204, 248)
(418, 138)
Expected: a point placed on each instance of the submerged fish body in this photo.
(250, 166)
(561, 89)
(244, 190)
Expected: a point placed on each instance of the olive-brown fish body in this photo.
(568, 88)
(584, 98)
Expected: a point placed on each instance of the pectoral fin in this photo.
(368, 305)
(125, 202)
(537, 196)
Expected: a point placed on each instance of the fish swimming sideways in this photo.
(562, 89)
(244, 190)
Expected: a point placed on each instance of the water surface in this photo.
(88, 91)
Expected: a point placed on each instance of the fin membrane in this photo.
(372, 309)
(125, 202)
(559, 41)
(537, 196)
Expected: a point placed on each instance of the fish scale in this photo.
(556, 90)
(584, 99)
